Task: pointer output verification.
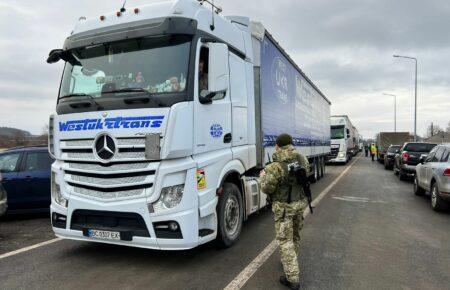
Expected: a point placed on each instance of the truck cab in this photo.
(342, 140)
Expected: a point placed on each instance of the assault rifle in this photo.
(303, 180)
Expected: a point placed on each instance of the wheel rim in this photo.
(232, 215)
(415, 184)
(433, 197)
(315, 171)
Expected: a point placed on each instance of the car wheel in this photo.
(230, 215)
(417, 189)
(401, 175)
(386, 166)
(437, 204)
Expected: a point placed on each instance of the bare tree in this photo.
(448, 127)
(433, 130)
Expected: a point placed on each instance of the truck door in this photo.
(212, 104)
(238, 90)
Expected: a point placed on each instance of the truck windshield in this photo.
(157, 65)
(337, 132)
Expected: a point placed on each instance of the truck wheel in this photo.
(437, 204)
(314, 177)
(230, 215)
(417, 189)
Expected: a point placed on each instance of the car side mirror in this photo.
(218, 73)
(423, 158)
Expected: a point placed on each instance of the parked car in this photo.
(3, 199)
(408, 158)
(26, 179)
(433, 177)
(389, 157)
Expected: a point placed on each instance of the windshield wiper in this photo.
(132, 100)
(82, 104)
(128, 90)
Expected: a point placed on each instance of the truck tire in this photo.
(230, 213)
(322, 167)
(437, 204)
(313, 178)
(417, 189)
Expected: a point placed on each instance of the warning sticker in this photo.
(201, 179)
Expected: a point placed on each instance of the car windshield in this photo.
(158, 65)
(392, 149)
(337, 132)
(419, 147)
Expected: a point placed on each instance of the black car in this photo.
(389, 157)
(409, 156)
(26, 179)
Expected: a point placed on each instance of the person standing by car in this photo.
(373, 151)
(366, 149)
(288, 203)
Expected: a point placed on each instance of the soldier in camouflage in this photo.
(288, 203)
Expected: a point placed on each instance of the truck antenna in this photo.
(123, 7)
(215, 10)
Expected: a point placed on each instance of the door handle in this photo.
(227, 138)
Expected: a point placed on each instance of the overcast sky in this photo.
(344, 46)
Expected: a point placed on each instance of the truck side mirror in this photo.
(218, 73)
(55, 55)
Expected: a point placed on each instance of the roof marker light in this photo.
(136, 10)
(102, 18)
(118, 14)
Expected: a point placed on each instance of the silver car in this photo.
(433, 177)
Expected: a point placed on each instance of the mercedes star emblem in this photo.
(105, 147)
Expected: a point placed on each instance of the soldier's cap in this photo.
(284, 139)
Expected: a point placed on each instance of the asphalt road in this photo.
(369, 232)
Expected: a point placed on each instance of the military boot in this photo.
(286, 282)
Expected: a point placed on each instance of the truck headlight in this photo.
(56, 193)
(170, 197)
(342, 155)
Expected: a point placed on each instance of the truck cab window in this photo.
(203, 70)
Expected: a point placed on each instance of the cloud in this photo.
(344, 46)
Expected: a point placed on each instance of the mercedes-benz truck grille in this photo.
(127, 175)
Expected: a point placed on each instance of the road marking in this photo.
(239, 281)
(29, 248)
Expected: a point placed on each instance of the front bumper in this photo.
(186, 219)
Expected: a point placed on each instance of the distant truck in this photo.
(386, 139)
(344, 144)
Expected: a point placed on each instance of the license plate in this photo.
(106, 235)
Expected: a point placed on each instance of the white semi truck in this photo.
(344, 143)
(165, 116)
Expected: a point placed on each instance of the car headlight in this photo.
(342, 154)
(56, 193)
(170, 197)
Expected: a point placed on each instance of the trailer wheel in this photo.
(230, 215)
(322, 167)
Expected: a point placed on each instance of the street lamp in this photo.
(415, 95)
(395, 110)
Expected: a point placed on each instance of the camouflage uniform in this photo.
(288, 216)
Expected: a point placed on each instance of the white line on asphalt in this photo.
(242, 278)
(29, 248)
